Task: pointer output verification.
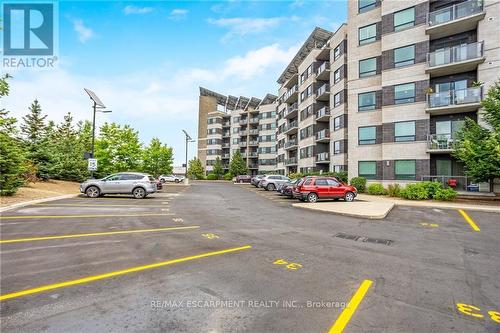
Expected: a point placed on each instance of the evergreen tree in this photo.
(218, 171)
(195, 169)
(479, 147)
(157, 159)
(238, 165)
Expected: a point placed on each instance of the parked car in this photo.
(243, 179)
(171, 178)
(137, 184)
(316, 187)
(271, 182)
(256, 179)
(286, 189)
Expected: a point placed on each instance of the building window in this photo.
(366, 5)
(367, 169)
(236, 130)
(336, 52)
(368, 34)
(404, 19)
(404, 131)
(236, 141)
(336, 147)
(405, 169)
(366, 101)
(404, 93)
(404, 56)
(336, 99)
(367, 67)
(336, 123)
(336, 76)
(367, 135)
(338, 168)
(236, 119)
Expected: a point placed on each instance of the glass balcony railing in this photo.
(291, 143)
(323, 134)
(291, 161)
(455, 54)
(324, 111)
(454, 97)
(322, 157)
(291, 125)
(290, 92)
(253, 143)
(323, 89)
(440, 141)
(254, 120)
(254, 131)
(455, 12)
(324, 66)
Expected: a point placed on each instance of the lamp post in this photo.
(188, 139)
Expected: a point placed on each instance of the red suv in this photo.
(313, 188)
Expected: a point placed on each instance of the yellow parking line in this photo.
(87, 205)
(469, 220)
(19, 217)
(19, 240)
(117, 273)
(353, 304)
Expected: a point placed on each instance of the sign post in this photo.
(92, 165)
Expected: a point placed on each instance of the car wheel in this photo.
(162, 180)
(270, 187)
(312, 197)
(139, 193)
(349, 196)
(177, 180)
(92, 192)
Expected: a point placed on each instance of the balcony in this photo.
(455, 19)
(226, 145)
(243, 121)
(243, 143)
(291, 111)
(457, 59)
(291, 144)
(253, 154)
(226, 124)
(291, 161)
(253, 132)
(291, 128)
(323, 114)
(454, 101)
(226, 134)
(253, 143)
(323, 158)
(244, 133)
(253, 166)
(291, 95)
(323, 71)
(323, 136)
(225, 156)
(254, 120)
(440, 143)
(323, 93)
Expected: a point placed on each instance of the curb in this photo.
(31, 202)
(477, 208)
(370, 217)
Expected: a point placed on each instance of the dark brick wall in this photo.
(422, 169)
(378, 99)
(387, 95)
(387, 59)
(378, 134)
(380, 170)
(379, 64)
(388, 132)
(421, 129)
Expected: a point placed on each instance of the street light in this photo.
(188, 139)
(98, 104)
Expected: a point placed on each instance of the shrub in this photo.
(295, 175)
(376, 189)
(447, 194)
(342, 176)
(416, 191)
(211, 176)
(359, 183)
(432, 187)
(228, 176)
(393, 190)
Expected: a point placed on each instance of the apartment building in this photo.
(227, 124)
(416, 70)
(312, 89)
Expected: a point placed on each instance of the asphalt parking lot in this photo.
(218, 257)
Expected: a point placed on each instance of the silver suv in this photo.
(137, 184)
(171, 178)
(271, 182)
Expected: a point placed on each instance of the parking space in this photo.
(223, 257)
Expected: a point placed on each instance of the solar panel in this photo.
(94, 97)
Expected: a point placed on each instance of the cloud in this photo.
(241, 26)
(178, 14)
(84, 33)
(137, 10)
(297, 4)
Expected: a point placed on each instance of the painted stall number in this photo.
(210, 236)
(474, 311)
(432, 225)
(289, 265)
(178, 219)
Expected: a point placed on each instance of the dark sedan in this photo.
(243, 179)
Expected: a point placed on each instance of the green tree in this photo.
(479, 147)
(157, 158)
(238, 165)
(195, 169)
(218, 171)
(12, 159)
(117, 149)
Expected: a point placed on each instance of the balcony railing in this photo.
(226, 145)
(291, 125)
(292, 108)
(243, 133)
(243, 121)
(253, 166)
(324, 111)
(440, 141)
(290, 143)
(254, 120)
(323, 89)
(291, 161)
(322, 157)
(455, 12)
(253, 143)
(454, 97)
(455, 54)
(460, 183)
(323, 134)
(290, 92)
(324, 66)
(243, 144)
(226, 134)
(253, 154)
(253, 131)
(225, 155)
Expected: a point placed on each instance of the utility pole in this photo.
(188, 139)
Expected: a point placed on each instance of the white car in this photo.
(171, 178)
